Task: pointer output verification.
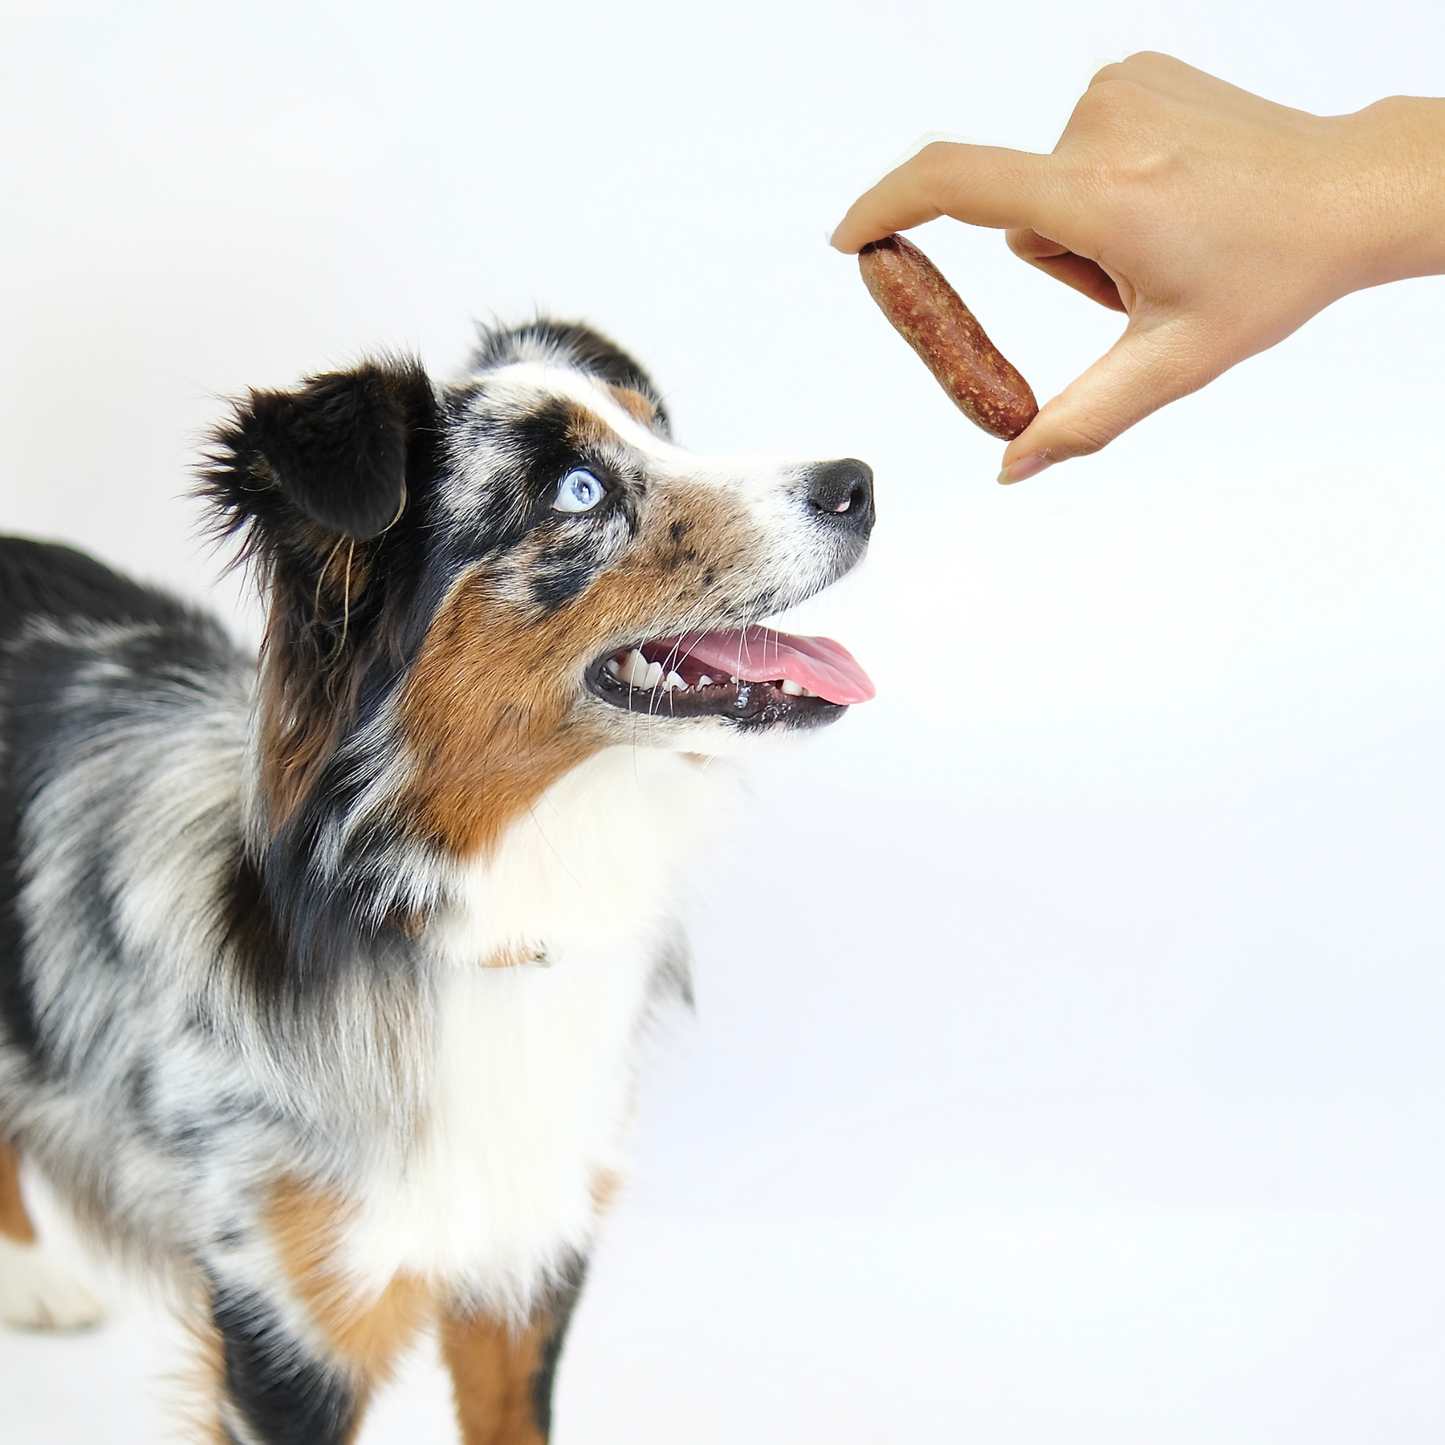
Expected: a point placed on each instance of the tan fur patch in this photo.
(634, 404)
(517, 955)
(587, 429)
(606, 1185)
(200, 1387)
(488, 709)
(302, 712)
(492, 1366)
(294, 742)
(368, 1334)
(14, 1221)
(485, 713)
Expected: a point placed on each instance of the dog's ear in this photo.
(336, 449)
(324, 486)
(335, 453)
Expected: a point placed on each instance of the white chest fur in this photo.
(533, 1075)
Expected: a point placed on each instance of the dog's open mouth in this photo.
(751, 673)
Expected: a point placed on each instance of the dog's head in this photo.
(475, 587)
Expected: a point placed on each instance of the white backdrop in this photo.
(1066, 1066)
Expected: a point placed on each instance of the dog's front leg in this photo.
(276, 1388)
(301, 1370)
(502, 1374)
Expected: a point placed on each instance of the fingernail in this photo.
(1024, 468)
(828, 236)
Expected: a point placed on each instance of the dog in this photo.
(322, 978)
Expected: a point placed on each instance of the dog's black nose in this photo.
(842, 492)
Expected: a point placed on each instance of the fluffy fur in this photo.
(321, 983)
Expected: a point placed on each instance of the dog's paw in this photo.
(37, 1295)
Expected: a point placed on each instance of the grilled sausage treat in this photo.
(928, 314)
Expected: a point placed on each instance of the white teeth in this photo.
(808, 692)
(637, 671)
(634, 669)
(793, 689)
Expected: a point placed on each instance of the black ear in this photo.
(337, 449)
(325, 488)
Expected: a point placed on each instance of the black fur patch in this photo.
(579, 345)
(45, 580)
(562, 1304)
(285, 1396)
(310, 929)
(250, 933)
(565, 570)
(337, 449)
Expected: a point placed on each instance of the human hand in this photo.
(1218, 221)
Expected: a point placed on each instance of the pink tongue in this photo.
(758, 654)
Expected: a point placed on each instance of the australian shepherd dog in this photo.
(322, 979)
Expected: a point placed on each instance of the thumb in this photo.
(1151, 364)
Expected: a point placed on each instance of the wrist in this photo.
(1397, 149)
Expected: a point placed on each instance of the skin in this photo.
(1217, 221)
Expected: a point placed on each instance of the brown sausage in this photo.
(928, 315)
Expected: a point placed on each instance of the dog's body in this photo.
(320, 989)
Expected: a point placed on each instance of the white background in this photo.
(1066, 1066)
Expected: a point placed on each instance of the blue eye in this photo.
(580, 492)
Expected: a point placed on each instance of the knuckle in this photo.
(1148, 60)
(1142, 67)
(933, 165)
(1112, 100)
(1106, 73)
(1125, 170)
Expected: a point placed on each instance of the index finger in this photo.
(982, 185)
